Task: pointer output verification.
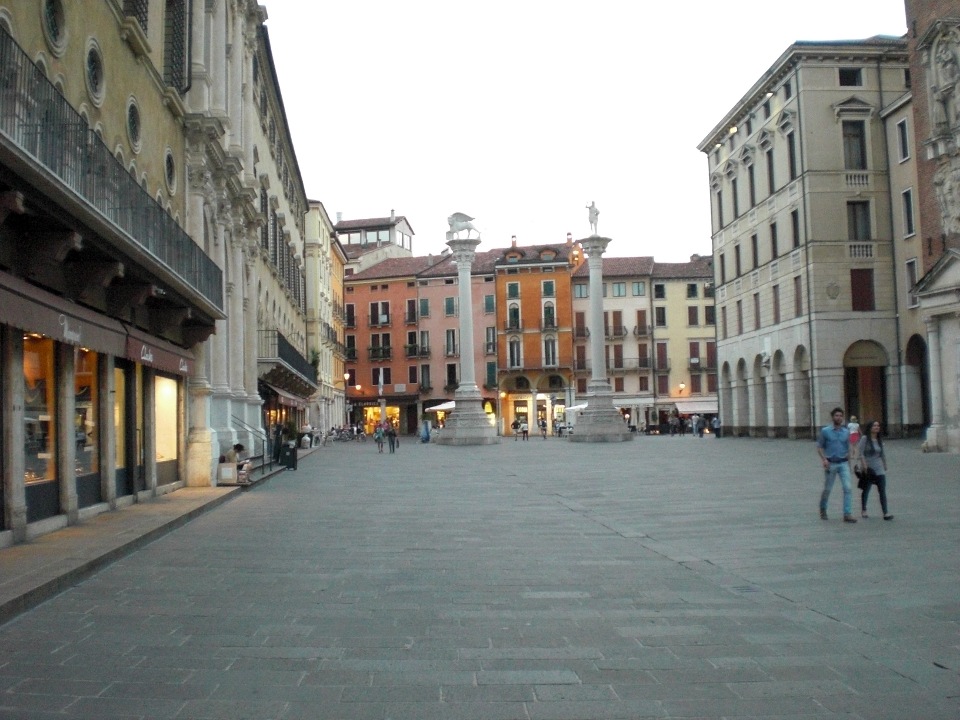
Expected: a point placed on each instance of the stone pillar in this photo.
(66, 431)
(599, 421)
(468, 424)
(935, 436)
(14, 436)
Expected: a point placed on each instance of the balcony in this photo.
(548, 323)
(288, 369)
(350, 322)
(490, 348)
(514, 325)
(350, 353)
(411, 351)
(695, 363)
(38, 127)
(615, 332)
(581, 333)
(410, 318)
(451, 351)
(423, 351)
(379, 320)
(379, 353)
(641, 330)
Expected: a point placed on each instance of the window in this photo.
(513, 290)
(755, 251)
(659, 291)
(912, 299)
(350, 317)
(787, 91)
(708, 290)
(547, 288)
(411, 311)
(663, 385)
(797, 296)
(908, 222)
(736, 261)
(711, 354)
(425, 377)
(771, 183)
(850, 77)
(491, 374)
(642, 322)
(792, 154)
(696, 384)
(490, 341)
(752, 185)
(378, 373)
(619, 289)
(858, 220)
(639, 288)
(735, 196)
(549, 316)
(581, 385)
(711, 382)
(739, 317)
(766, 110)
(580, 290)
(380, 313)
(776, 304)
(644, 384)
(450, 343)
(660, 316)
(450, 306)
(489, 305)
(693, 315)
(424, 343)
(424, 307)
(854, 145)
(693, 291)
(710, 315)
(903, 140)
(795, 227)
(861, 289)
(412, 374)
(723, 322)
(514, 358)
(513, 317)
(774, 250)
(723, 269)
(351, 347)
(720, 208)
(452, 380)
(550, 352)
(618, 384)
(756, 311)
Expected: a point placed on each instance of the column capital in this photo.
(594, 245)
(463, 249)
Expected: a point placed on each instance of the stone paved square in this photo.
(660, 578)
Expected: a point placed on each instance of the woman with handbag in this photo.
(873, 465)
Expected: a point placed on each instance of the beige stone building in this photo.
(803, 237)
(104, 295)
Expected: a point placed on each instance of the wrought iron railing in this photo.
(273, 345)
(42, 124)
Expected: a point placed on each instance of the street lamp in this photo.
(683, 386)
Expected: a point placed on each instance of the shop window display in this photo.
(86, 427)
(39, 414)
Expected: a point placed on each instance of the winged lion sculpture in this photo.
(459, 222)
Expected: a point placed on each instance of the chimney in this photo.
(393, 216)
(569, 240)
(339, 217)
(513, 241)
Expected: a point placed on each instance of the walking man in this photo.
(833, 447)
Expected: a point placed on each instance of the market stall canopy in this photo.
(688, 407)
(442, 406)
(574, 408)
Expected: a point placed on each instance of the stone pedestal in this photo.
(468, 424)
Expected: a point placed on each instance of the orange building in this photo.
(535, 331)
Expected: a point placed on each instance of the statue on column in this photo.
(459, 222)
(593, 214)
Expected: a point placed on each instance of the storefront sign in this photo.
(147, 350)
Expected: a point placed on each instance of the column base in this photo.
(468, 424)
(600, 421)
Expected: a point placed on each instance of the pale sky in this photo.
(521, 113)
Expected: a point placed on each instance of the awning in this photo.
(688, 407)
(575, 408)
(447, 406)
(157, 353)
(288, 399)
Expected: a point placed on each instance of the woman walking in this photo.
(873, 463)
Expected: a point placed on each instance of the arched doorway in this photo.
(778, 391)
(803, 418)
(916, 387)
(759, 398)
(865, 381)
(743, 399)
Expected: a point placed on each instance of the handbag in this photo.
(863, 478)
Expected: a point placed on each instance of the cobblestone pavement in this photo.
(662, 578)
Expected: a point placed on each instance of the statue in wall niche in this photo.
(947, 60)
(946, 183)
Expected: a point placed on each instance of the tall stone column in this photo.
(599, 421)
(468, 424)
(935, 435)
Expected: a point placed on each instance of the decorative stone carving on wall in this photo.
(940, 56)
